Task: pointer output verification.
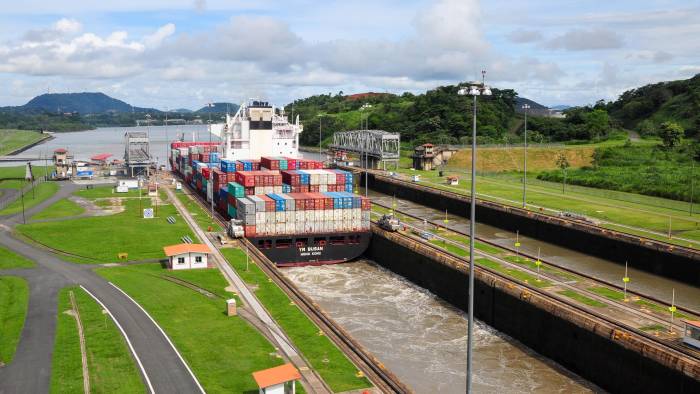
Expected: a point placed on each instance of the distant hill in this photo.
(219, 108)
(182, 111)
(519, 101)
(645, 108)
(560, 107)
(83, 103)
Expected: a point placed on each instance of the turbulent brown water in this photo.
(421, 338)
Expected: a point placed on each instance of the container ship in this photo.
(294, 210)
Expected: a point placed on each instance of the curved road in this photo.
(30, 371)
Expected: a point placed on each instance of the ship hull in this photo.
(312, 249)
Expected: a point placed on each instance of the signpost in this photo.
(148, 213)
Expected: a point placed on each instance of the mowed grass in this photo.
(12, 140)
(102, 238)
(111, 366)
(14, 298)
(60, 209)
(202, 218)
(325, 358)
(107, 192)
(222, 351)
(10, 259)
(42, 191)
(13, 177)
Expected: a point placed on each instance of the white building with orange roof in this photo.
(277, 380)
(187, 256)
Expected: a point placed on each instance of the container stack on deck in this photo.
(275, 195)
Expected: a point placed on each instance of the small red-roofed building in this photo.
(187, 256)
(277, 380)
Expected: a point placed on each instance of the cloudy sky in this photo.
(184, 53)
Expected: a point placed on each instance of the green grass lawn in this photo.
(10, 259)
(19, 172)
(514, 273)
(335, 369)
(101, 238)
(110, 363)
(11, 140)
(42, 192)
(582, 298)
(222, 351)
(14, 298)
(107, 192)
(60, 209)
(200, 216)
(608, 293)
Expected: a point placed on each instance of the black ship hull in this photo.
(312, 249)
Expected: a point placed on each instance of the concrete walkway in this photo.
(312, 382)
(30, 371)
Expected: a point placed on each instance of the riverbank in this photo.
(13, 141)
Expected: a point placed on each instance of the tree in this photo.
(563, 164)
(597, 122)
(671, 134)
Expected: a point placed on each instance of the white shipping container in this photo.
(322, 188)
(299, 216)
(269, 189)
(280, 217)
(327, 214)
(338, 214)
(347, 215)
(289, 228)
(259, 217)
(289, 216)
(258, 190)
(318, 215)
(310, 215)
(279, 228)
(277, 189)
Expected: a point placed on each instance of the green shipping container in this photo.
(235, 189)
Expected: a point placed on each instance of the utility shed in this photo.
(187, 256)
(277, 380)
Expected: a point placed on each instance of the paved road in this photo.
(30, 371)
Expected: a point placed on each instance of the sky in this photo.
(172, 54)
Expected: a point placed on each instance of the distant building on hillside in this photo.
(428, 156)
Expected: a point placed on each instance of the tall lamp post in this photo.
(474, 90)
(525, 107)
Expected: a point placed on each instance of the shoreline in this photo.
(48, 137)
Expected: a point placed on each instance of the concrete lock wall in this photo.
(655, 257)
(550, 332)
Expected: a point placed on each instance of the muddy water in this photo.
(640, 281)
(421, 338)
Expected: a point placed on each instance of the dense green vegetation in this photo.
(647, 107)
(10, 259)
(222, 351)
(12, 140)
(14, 298)
(650, 170)
(335, 369)
(110, 364)
(102, 238)
(41, 121)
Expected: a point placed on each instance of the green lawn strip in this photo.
(514, 273)
(10, 259)
(42, 192)
(107, 192)
(101, 238)
(661, 309)
(210, 280)
(608, 293)
(222, 351)
(110, 363)
(459, 251)
(202, 218)
(14, 298)
(66, 364)
(59, 209)
(12, 140)
(17, 173)
(581, 298)
(653, 327)
(335, 369)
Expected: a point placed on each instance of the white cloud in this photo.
(583, 40)
(155, 39)
(522, 36)
(68, 26)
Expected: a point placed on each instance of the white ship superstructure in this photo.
(258, 129)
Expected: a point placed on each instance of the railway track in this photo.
(373, 369)
(677, 347)
(534, 258)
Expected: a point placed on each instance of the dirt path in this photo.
(83, 349)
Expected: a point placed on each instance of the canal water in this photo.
(422, 339)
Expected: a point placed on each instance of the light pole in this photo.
(168, 154)
(474, 90)
(526, 107)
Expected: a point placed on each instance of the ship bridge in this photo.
(378, 146)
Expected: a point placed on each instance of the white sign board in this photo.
(130, 183)
(148, 213)
(178, 186)
(122, 189)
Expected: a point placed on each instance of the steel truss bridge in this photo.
(378, 146)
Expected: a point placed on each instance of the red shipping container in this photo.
(291, 163)
(366, 204)
(269, 203)
(206, 172)
(249, 231)
(245, 178)
(249, 191)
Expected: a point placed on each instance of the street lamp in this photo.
(474, 90)
(526, 107)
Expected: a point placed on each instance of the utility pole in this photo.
(692, 184)
(526, 107)
(167, 142)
